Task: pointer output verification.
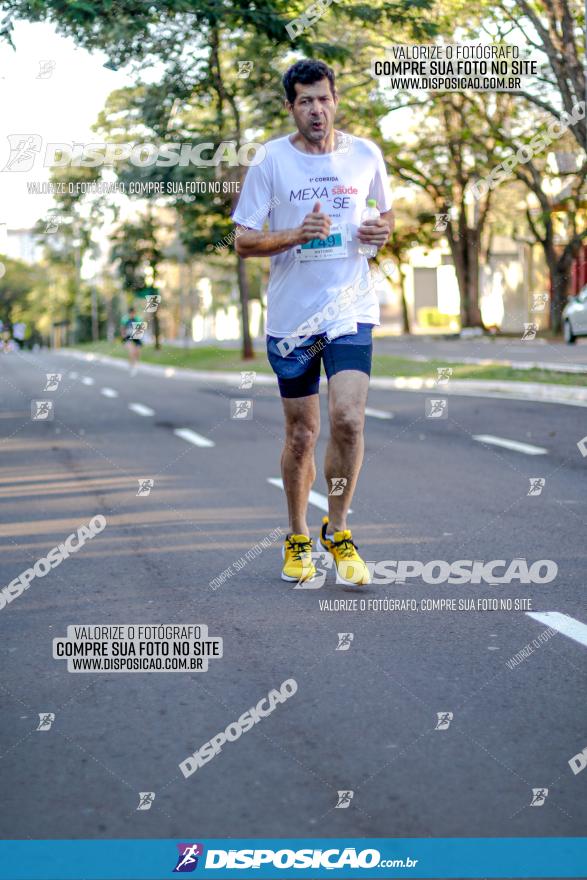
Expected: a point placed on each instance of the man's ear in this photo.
(287, 105)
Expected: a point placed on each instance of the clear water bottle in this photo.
(369, 213)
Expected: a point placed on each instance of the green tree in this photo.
(202, 72)
(17, 281)
(555, 33)
(556, 175)
(413, 227)
(446, 151)
(137, 252)
(66, 233)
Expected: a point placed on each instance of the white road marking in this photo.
(109, 392)
(192, 437)
(564, 624)
(87, 380)
(527, 448)
(318, 500)
(377, 413)
(141, 410)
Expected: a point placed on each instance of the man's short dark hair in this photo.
(307, 72)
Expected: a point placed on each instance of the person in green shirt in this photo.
(131, 332)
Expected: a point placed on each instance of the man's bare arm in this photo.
(389, 218)
(252, 243)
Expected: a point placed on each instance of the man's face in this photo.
(313, 110)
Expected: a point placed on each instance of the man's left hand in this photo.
(374, 232)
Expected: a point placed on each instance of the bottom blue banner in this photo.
(224, 858)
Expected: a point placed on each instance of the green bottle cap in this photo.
(372, 203)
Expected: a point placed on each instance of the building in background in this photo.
(512, 273)
(20, 244)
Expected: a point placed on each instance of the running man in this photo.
(130, 329)
(312, 186)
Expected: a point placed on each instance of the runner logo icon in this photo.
(187, 861)
(444, 719)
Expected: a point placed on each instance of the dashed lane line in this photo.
(515, 445)
(141, 410)
(193, 437)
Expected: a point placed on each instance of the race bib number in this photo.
(332, 248)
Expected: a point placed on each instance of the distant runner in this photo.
(312, 187)
(130, 331)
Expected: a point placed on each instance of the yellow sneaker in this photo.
(297, 553)
(351, 569)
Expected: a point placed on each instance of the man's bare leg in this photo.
(132, 354)
(298, 469)
(347, 398)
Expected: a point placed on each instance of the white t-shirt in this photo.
(284, 187)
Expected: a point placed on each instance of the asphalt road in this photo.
(362, 719)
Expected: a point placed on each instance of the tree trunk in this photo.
(95, 327)
(243, 286)
(560, 280)
(110, 322)
(559, 270)
(405, 314)
(465, 254)
(225, 95)
(157, 330)
(472, 281)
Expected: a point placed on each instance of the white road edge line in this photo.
(109, 392)
(564, 624)
(87, 380)
(141, 410)
(527, 448)
(318, 500)
(193, 437)
(377, 413)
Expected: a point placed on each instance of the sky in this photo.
(60, 107)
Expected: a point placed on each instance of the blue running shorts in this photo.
(298, 373)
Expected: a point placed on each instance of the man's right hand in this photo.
(253, 243)
(315, 225)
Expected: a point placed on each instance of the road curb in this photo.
(500, 362)
(168, 372)
(538, 392)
